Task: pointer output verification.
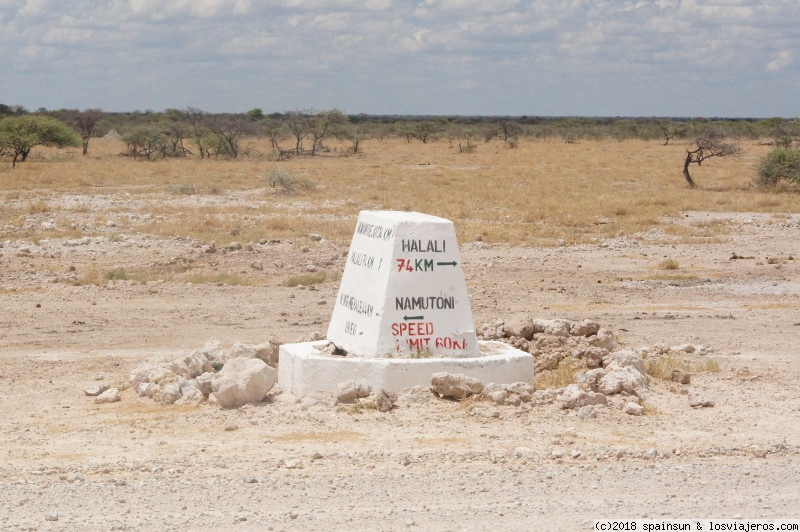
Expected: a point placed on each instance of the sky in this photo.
(687, 58)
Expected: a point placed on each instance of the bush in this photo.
(779, 164)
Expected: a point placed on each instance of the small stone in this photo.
(680, 376)
(633, 409)
(587, 412)
(95, 389)
(52, 516)
(385, 400)
(698, 401)
(109, 396)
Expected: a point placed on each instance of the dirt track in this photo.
(440, 465)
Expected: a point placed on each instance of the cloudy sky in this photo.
(727, 58)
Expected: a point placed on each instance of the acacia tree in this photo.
(199, 130)
(19, 134)
(710, 143)
(319, 125)
(297, 124)
(667, 127)
(86, 124)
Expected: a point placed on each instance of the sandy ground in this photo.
(68, 463)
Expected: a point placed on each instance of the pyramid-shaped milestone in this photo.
(403, 290)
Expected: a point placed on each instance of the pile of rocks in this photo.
(228, 377)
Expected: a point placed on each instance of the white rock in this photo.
(633, 409)
(95, 389)
(190, 393)
(624, 358)
(584, 328)
(147, 389)
(551, 327)
(204, 382)
(604, 338)
(523, 389)
(627, 379)
(455, 385)
(350, 392)
(519, 326)
(168, 393)
(109, 396)
(571, 397)
(415, 394)
(497, 396)
(683, 348)
(242, 381)
(587, 412)
(192, 365)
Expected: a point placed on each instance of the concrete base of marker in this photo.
(304, 372)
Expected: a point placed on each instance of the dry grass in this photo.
(562, 376)
(661, 367)
(536, 194)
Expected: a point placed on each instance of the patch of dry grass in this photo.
(563, 375)
(661, 367)
(537, 194)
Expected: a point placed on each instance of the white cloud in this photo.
(550, 44)
(781, 61)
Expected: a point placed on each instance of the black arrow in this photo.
(454, 263)
(413, 318)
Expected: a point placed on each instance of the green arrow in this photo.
(454, 263)
(413, 318)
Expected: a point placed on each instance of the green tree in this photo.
(780, 164)
(319, 125)
(19, 134)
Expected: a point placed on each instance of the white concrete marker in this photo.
(402, 314)
(403, 290)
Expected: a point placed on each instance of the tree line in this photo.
(192, 132)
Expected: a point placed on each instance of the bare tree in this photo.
(710, 143)
(199, 129)
(667, 127)
(297, 124)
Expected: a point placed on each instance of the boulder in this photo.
(618, 380)
(268, 352)
(455, 385)
(242, 381)
(519, 327)
(573, 396)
